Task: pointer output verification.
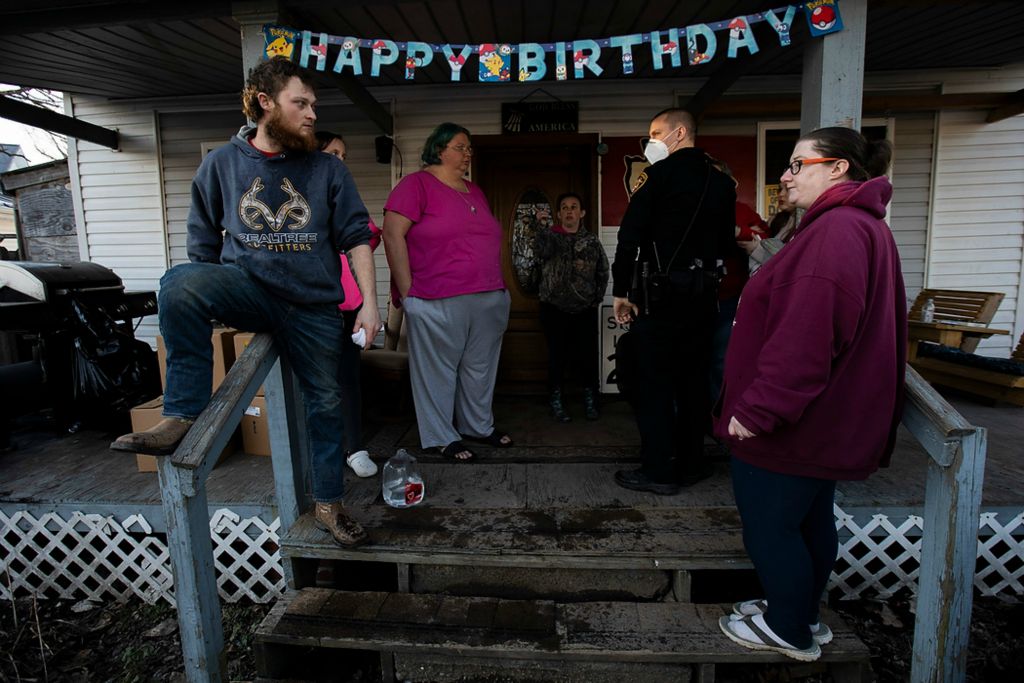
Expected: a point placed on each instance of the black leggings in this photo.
(351, 388)
(572, 344)
(789, 531)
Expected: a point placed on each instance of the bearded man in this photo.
(269, 216)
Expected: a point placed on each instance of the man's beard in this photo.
(291, 139)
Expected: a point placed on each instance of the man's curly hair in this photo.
(270, 77)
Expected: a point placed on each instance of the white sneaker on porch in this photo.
(361, 464)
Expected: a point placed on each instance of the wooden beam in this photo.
(874, 103)
(1011, 108)
(47, 119)
(364, 101)
(729, 73)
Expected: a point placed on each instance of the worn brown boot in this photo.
(160, 439)
(346, 531)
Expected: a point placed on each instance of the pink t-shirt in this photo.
(454, 242)
(353, 297)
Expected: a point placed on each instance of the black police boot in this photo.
(557, 408)
(590, 404)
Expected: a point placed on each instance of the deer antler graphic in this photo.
(251, 209)
(296, 208)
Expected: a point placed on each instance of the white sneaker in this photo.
(821, 633)
(752, 632)
(361, 464)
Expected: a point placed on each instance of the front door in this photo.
(520, 175)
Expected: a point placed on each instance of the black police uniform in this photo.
(672, 333)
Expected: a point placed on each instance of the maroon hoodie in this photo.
(815, 365)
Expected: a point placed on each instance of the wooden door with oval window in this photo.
(522, 177)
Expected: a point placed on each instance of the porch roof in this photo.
(126, 49)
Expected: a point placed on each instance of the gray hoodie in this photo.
(282, 218)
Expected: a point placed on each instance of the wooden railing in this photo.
(183, 492)
(949, 543)
(949, 546)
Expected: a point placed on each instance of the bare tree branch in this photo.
(51, 145)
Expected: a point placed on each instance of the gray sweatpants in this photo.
(454, 344)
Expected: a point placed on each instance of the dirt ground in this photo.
(56, 640)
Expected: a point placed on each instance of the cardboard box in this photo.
(256, 428)
(147, 415)
(223, 355)
(241, 340)
(143, 417)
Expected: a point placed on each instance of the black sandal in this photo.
(453, 449)
(493, 439)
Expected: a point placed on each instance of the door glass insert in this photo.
(532, 215)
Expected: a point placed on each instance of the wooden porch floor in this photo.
(552, 466)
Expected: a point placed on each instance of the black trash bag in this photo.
(112, 372)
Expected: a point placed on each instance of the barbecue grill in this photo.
(63, 319)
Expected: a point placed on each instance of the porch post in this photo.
(833, 77)
(251, 16)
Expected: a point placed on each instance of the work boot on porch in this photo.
(332, 518)
(160, 439)
(590, 404)
(557, 407)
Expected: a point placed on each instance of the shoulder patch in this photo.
(641, 179)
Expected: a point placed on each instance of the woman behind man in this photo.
(356, 455)
(813, 383)
(573, 279)
(780, 229)
(444, 249)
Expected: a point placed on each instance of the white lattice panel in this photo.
(882, 557)
(100, 558)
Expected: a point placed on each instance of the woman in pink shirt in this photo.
(444, 248)
(356, 455)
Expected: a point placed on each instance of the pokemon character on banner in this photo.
(279, 42)
(577, 59)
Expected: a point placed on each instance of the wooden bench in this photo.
(959, 306)
(965, 374)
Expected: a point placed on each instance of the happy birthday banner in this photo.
(496, 59)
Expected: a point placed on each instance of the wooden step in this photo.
(494, 633)
(582, 538)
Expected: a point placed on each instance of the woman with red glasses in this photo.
(813, 382)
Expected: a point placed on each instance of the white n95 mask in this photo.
(656, 150)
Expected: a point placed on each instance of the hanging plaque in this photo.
(520, 118)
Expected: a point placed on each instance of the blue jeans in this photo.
(311, 336)
(789, 531)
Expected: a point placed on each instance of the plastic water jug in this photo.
(402, 484)
(928, 311)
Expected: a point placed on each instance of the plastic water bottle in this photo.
(928, 311)
(401, 483)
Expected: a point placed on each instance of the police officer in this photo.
(680, 221)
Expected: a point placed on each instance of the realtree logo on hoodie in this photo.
(293, 213)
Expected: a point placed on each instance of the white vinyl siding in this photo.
(182, 135)
(914, 140)
(118, 197)
(978, 216)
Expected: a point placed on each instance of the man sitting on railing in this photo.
(269, 215)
